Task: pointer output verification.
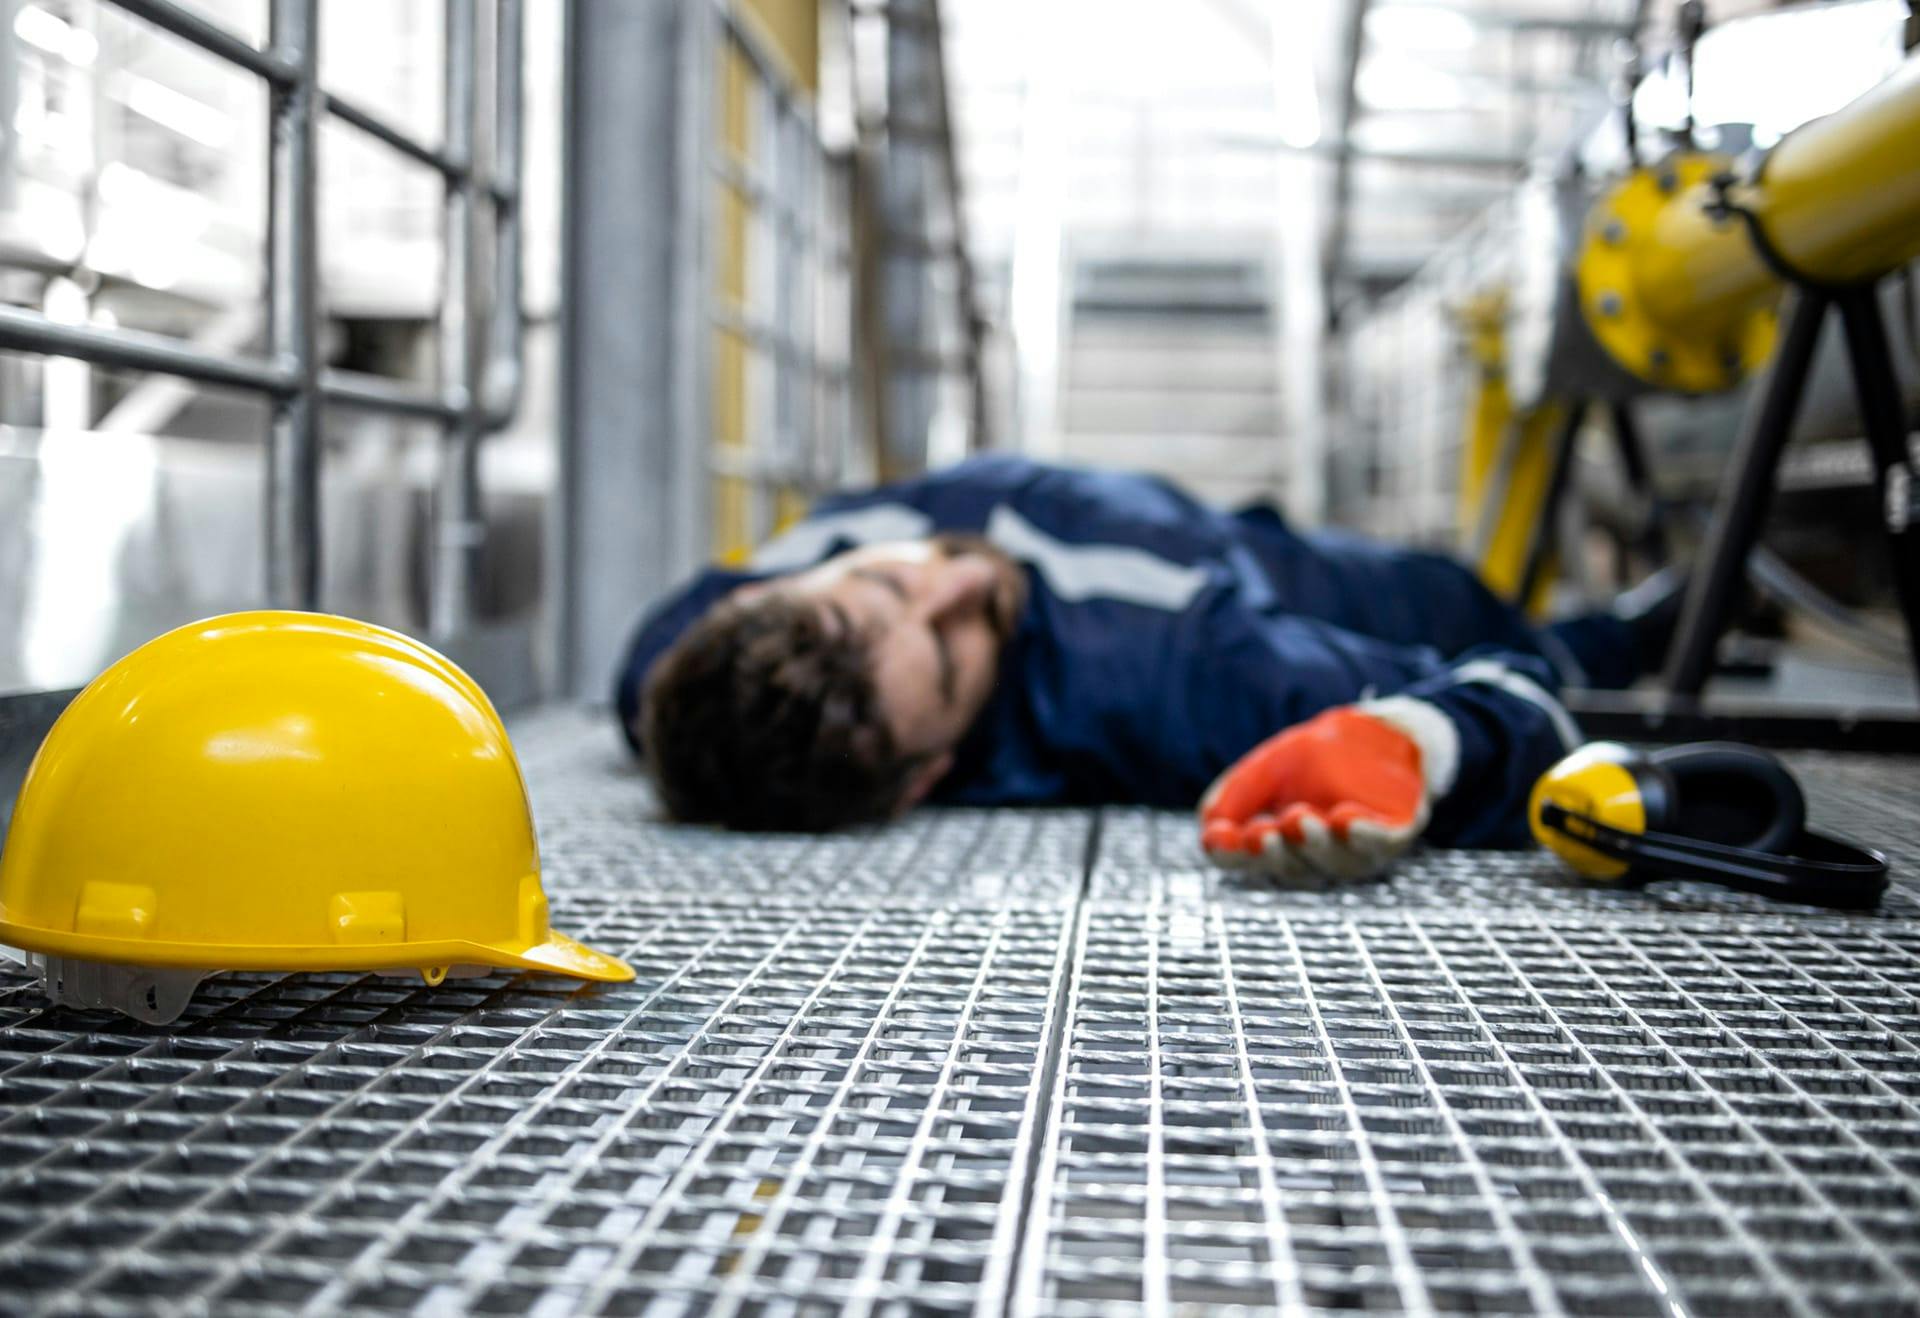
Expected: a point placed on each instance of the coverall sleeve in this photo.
(1512, 729)
(1274, 670)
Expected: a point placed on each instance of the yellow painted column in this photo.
(1531, 436)
(732, 522)
(1504, 457)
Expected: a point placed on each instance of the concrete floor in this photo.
(1038, 1061)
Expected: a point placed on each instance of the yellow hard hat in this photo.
(276, 791)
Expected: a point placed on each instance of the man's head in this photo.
(832, 696)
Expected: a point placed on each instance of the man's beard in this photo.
(1009, 597)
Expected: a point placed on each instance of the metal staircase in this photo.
(1171, 366)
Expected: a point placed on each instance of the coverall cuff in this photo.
(1430, 730)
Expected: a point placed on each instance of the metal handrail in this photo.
(279, 64)
(139, 351)
(479, 387)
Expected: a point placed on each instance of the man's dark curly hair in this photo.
(762, 717)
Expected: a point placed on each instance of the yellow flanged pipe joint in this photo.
(1680, 263)
(1666, 332)
(276, 791)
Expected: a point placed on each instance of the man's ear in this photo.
(922, 779)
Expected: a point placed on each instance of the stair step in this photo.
(1251, 368)
(1224, 412)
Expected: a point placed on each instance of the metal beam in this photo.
(1538, 20)
(273, 64)
(399, 139)
(972, 327)
(458, 530)
(1354, 47)
(1342, 147)
(293, 310)
(29, 331)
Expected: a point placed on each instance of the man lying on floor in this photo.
(1008, 633)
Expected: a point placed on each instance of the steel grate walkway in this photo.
(1028, 1060)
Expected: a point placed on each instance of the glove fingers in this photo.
(1380, 843)
(1292, 821)
(1223, 837)
(1261, 832)
(1331, 855)
(1350, 841)
(1232, 844)
(1344, 816)
(1272, 853)
(1282, 861)
(1251, 785)
(1298, 844)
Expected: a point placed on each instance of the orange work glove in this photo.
(1339, 796)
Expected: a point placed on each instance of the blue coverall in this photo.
(1162, 639)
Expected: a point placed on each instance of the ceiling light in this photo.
(1296, 98)
(56, 36)
(1389, 81)
(1427, 27)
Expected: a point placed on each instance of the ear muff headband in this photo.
(1822, 870)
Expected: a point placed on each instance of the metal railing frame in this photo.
(786, 185)
(478, 391)
(901, 330)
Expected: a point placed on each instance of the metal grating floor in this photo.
(1037, 1061)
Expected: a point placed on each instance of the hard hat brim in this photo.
(566, 956)
(558, 955)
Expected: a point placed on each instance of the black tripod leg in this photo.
(1559, 475)
(1742, 505)
(1633, 457)
(1883, 417)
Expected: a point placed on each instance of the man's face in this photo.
(937, 612)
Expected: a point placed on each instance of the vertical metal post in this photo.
(1633, 459)
(803, 146)
(457, 527)
(911, 384)
(502, 378)
(689, 223)
(767, 301)
(789, 367)
(1742, 505)
(1883, 418)
(293, 317)
(636, 317)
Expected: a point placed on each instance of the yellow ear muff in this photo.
(1595, 782)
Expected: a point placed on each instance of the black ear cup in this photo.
(1730, 795)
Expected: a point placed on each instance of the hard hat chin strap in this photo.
(1819, 870)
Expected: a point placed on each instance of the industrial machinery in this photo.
(1675, 280)
(1681, 273)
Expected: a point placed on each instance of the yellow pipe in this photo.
(1838, 200)
(1675, 285)
(1483, 322)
